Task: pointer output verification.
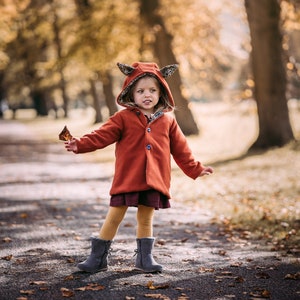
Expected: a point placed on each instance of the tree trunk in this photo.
(2, 94)
(163, 51)
(96, 102)
(62, 83)
(108, 93)
(269, 73)
(40, 103)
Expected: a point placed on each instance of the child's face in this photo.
(146, 94)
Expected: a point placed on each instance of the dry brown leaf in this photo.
(65, 134)
(38, 282)
(95, 287)
(91, 287)
(150, 286)
(183, 297)
(157, 296)
(69, 277)
(295, 276)
(7, 239)
(27, 292)
(129, 298)
(22, 298)
(260, 294)
(226, 273)
(236, 264)
(67, 293)
(222, 252)
(266, 294)
(206, 270)
(70, 260)
(8, 257)
(239, 279)
(81, 289)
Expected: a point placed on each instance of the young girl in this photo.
(145, 136)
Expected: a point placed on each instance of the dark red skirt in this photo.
(150, 198)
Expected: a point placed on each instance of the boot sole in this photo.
(92, 271)
(147, 271)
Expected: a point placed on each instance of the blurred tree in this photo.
(9, 12)
(269, 73)
(104, 32)
(204, 60)
(34, 71)
(60, 56)
(57, 48)
(162, 45)
(291, 25)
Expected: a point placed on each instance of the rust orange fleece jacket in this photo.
(143, 150)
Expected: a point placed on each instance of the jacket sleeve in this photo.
(108, 133)
(182, 153)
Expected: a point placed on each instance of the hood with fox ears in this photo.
(141, 69)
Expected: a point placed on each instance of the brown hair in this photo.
(163, 102)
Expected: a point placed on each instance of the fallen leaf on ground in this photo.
(150, 286)
(157, 296)
(69, 277)
(70, 260)
(27, 292)
(8, 257)
(7, 239)
(260, 294)
(38, 282)
(239, 279)
(295, 276)
(91, 287)
(67, 293)
(183, 297)
(206, 270)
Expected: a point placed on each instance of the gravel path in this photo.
(52, 202)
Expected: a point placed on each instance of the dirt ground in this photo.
(232, 235)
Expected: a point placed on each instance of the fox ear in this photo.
(125, 69)
(168, 70)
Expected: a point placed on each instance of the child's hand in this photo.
(71, 145)
(206, 171)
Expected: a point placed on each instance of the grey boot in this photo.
(144, 260)
(97, 261)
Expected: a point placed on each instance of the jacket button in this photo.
(138, 113)
(148, 129)
(148, 147)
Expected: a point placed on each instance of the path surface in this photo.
(51, 202)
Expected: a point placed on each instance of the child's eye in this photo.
(139, 91)
(153, 90)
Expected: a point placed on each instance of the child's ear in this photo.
(125, 69)
(168, 70)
